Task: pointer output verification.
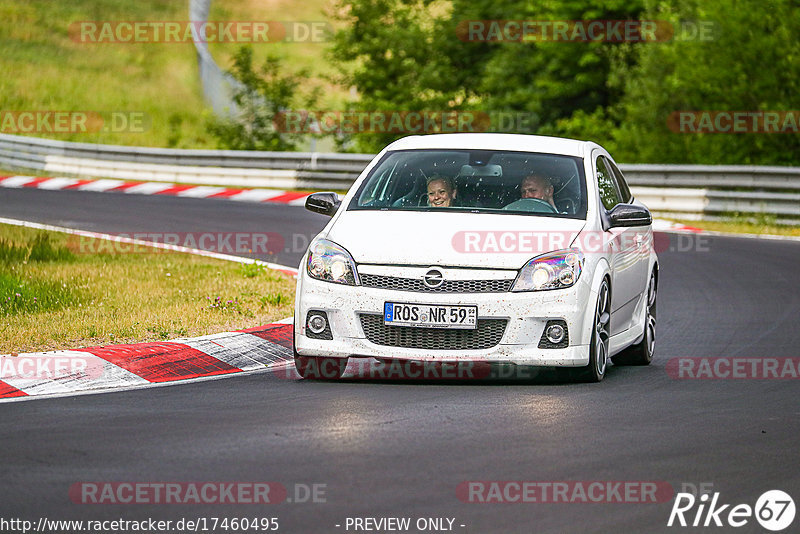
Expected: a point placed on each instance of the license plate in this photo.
(430, 315)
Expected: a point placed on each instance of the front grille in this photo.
(448, 286)
(487, 334)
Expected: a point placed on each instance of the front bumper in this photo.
(526, 315)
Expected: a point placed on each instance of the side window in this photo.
(622, 185)
(605, 184)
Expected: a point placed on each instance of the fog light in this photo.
(555, 333)
(317, 323)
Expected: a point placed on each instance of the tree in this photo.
(400, 56)
(263, 96)
(553, 78)
(750, 63)
(413, 56)
(408, 56)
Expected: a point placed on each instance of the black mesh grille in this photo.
(487, 334)
(448, 286)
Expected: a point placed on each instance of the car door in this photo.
(623, 256)
(642, 235)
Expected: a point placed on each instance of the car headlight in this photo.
(329, 262)
(554, 270)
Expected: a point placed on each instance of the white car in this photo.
(506, 249)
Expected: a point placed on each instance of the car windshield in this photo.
(490, 181)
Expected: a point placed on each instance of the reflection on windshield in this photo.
(476, 181)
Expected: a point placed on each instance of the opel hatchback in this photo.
(507, 249)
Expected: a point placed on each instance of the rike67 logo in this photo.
(774, 510)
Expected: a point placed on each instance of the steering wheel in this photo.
(568, 205)
(535, 205)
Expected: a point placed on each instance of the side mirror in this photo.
(325, 203)
(629, 215)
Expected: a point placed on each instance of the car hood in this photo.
(483, 240)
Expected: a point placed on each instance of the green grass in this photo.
(41, 248)
(56, 295)
(22, 294)
(44, 69)
(309, 56)
(273, 299)
(738, 225)
(251, 270)
(11, 252)
(26, 295)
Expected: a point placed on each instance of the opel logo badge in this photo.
(433, 278)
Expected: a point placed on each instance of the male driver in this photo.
(537, 186)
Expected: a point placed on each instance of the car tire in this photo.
(598, 348)
(318, 368)
(642, 352)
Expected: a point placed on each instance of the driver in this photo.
(441, 191)
(539, 187)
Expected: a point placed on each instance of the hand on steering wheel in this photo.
(535, 205)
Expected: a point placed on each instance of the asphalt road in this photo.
(394, 449)
(118, 213)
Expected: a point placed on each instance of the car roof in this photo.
(496, 141)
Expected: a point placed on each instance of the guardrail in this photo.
(691, 191)
(283, 170)
(717, 191)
